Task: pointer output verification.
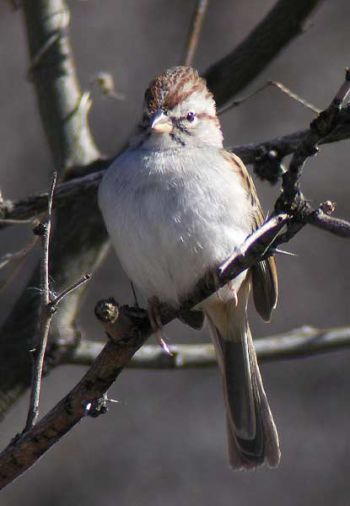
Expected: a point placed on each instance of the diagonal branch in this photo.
(128, 330)
(285, 21)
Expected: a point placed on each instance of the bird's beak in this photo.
(161, 124)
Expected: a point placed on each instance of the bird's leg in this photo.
(156, 324)
(233, 291)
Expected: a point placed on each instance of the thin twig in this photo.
(287, 91)
(303, 342)
(277, 84)
(70, 289)
(326, 122)
(46, 314)
(195, 30)
(48, 308)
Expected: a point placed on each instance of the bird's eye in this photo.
(191, 116)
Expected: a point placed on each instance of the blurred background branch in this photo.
(195, 30)
(63, 109)
(304, 342)
(283, 23)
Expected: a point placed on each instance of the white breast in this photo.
(172, 215)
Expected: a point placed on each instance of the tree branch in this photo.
(284, 22)
(195, 30)
(43, 230)
(259, 154)
(62, 105)
(128, 329)
(63, 108)
(320, 127)
(27, 448)
(304, 342)
(286, 144)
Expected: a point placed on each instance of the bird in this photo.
(176, 204)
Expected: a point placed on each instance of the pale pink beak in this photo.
(161, 124)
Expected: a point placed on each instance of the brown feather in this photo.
(264, 274)
(172, 87)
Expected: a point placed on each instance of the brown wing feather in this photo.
(264, 274)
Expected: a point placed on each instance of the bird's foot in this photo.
(156, 324)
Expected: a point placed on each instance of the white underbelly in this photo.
(166, 233)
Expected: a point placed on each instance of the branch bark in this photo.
(63, 107)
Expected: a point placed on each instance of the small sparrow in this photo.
(176, 205)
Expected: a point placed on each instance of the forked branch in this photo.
(48, 308)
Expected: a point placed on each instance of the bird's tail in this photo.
(252, 434)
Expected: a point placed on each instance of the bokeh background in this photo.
(164, 442)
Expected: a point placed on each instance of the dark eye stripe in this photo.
(177, 122)
(183, 129)
(177, 139)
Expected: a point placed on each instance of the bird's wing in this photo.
(264, 274)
